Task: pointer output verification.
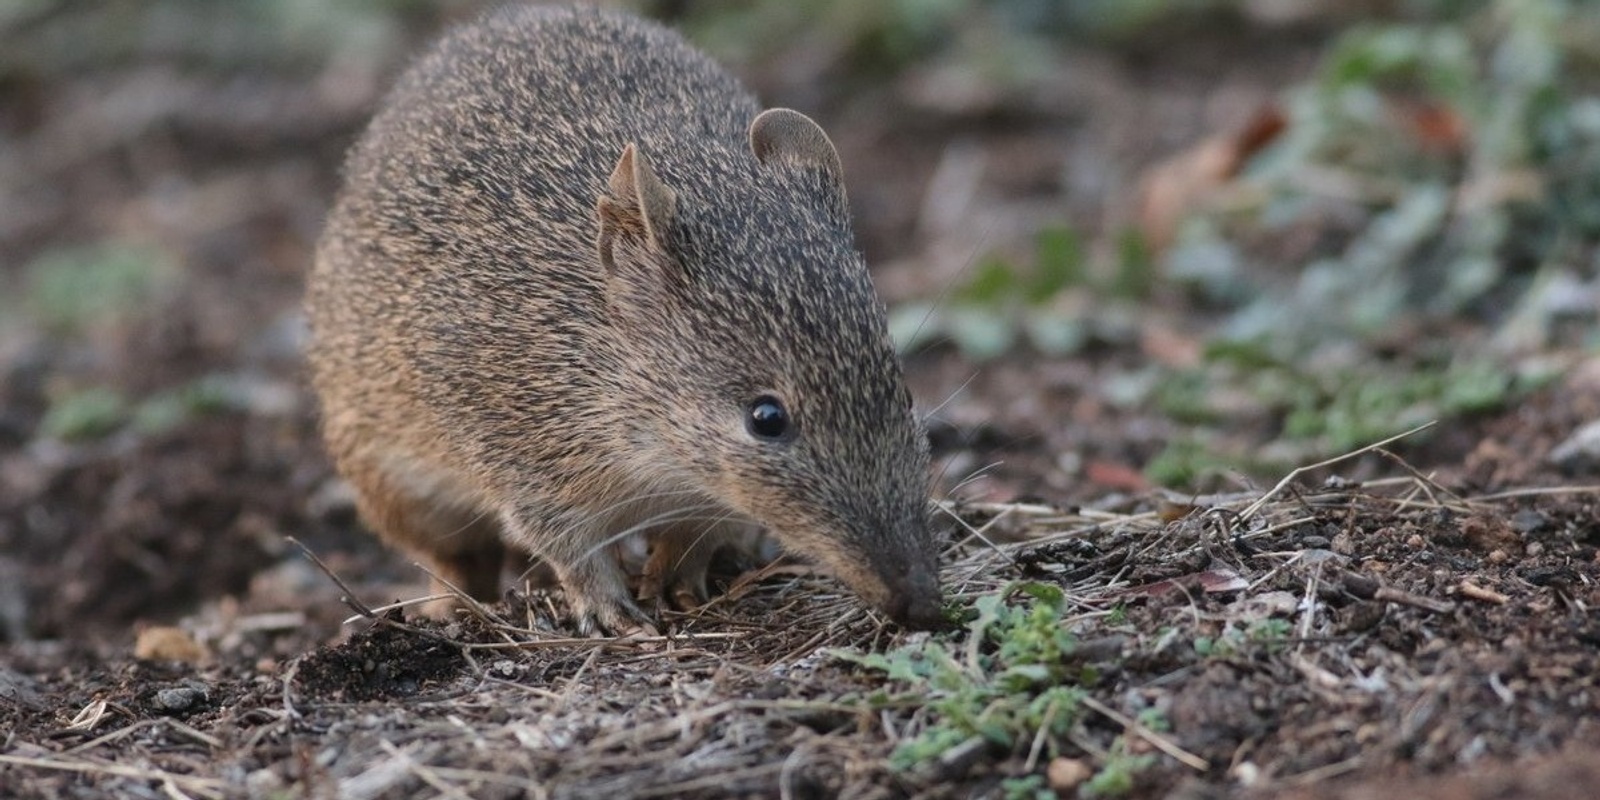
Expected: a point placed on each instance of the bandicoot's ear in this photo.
(638, 203)
(786, 136)
(634, 183)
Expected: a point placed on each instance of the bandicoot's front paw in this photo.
(615, 616)
(598, 592)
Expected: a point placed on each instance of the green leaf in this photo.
(1049, 595)
(1248, 354)
(1136, 274)
(993, 281)
(86, 414)
(1060, 264)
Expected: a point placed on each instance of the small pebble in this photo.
(179, 698)
(1529, 521)
(1246, 773)
(1066, 774)
(1581, 451)
(264, 782)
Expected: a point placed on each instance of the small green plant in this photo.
(1116, 777)
(1213, 646)
(1007, 682)
(1269, 635)
(1118, 615)
(1316, 408)
(1153, 719)
(1027, 787)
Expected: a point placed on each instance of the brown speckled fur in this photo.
(557, 276)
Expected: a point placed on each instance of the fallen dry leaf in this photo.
(1174, 188)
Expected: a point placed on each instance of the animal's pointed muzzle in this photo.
(914, 600)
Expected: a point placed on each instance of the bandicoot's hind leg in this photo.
(459, 543)
(679, 558)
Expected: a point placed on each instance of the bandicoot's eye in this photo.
(767, 418)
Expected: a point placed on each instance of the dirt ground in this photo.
(162, 636)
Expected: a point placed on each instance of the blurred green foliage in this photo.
(1443, 161)
(45, 37)
(1464, 144)
(69, 288)
(869, 39)
(1001, 39)
(1054, 304)
(1462, 153)
(1316, 409)
(1196, 457)
(170, 408)
(1461, 158)
(98, 411)
(86, 414)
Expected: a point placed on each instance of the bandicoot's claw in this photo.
(598, 592)
(686, 598)
(679, 590)
(597, 618)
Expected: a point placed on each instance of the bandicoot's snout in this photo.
(922, 611)
(914, 599)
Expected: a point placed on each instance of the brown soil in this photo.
(1439, 601)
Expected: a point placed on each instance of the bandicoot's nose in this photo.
(914, 600)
